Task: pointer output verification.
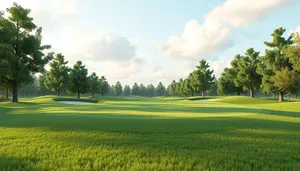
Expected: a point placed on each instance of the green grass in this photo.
(136, 133)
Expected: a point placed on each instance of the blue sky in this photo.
(159, 40)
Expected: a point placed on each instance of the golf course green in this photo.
(137, 133)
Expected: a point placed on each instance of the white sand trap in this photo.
(74, 102)
(206, 100)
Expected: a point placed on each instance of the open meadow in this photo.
(137, 133)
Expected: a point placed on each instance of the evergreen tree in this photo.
(232, 72)
(58, 76)
(187, 88)
(293, 52)
(160, 89)
(150, 90)
(104, 87)
(172, 88)
(118, 89)
(78, 79)
(127, 90)
(94, 84)
(142, 90)
(226, 85)
(135, 89)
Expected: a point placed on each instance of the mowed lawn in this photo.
(231, 133)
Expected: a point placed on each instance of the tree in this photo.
(275, 58)
(179, 87)
(187, 88)
(150, 90)
(127, 90)
(202, 78)
(78, 79)
(112, 90)
(135, 89)
(172, 88)
(142, 90)
(293, 52)
(94, 84)
(58, 76)
(286, 80)
(247, 75)
(118, 89)
(41, 88)
(160, 89)
(21, 51)
(213, 91)
(226, 85)
(232, 72)
(104, 87)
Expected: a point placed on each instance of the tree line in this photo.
(277, 71)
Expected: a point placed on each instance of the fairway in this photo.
(136, 133)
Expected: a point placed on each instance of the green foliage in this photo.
(287, 81)
(179, 87)
(187, 88)
(293, 52)
(112, 90)
(150, 134)
(79, 79)
(172, 88)
(104, 86)
(118, 89)
(21, 51)
(247, 75)
(160, 89)
(226, 84)
(94, 84)
(58, 76)
(233, 71)
(202, 78)
(142, 90)
(150, 90)
(41, 88)
(135, 89)
(127, 90)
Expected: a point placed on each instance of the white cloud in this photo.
(212, 36)
(218, 67)
(297, 30)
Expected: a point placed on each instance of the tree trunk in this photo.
(281, 99)
(251, 92)
(202, 92)
(6, 93)
(15, 92)
(78, 95)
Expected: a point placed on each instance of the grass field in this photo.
(231, 133)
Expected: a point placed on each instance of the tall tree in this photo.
(179, 87)
(287, 81)
(202, 77)
(127, 90)
(293, 52)
(78, 79)
(118, 89)
(58, 76)
(150, 90)
(135, 89)
(226, 85)
(172, 88)
(275, 58)
(247, 75)
(160, 89)
(21, 51)
(187, 88)
(104, 87)
(142, 90)
(94, 84)
(232, 72)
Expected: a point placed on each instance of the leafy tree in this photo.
(275, 58)
(247, 75)
(112, 90)
(160, 89)
(127, 90)
(293, 52)
(172, 88)
(41, 88)
(104, 87)
(142, 90)
(232, 72)
(150, 90)
(187, 88)
(287, 80)
(58, 76)
(135, 89)
(213, 91)
(202, 77)
(94, 84)
(21, 51)
(78, 79)
(118, 89)
(226, 85)
(179, 87)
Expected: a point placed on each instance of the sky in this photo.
(156, 41)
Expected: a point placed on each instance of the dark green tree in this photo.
(187, 88)
(127, 90)
(226, 84)
(150, 90)
(94, 84)
(172, 88)
(142, 90)
(104, 86)
(118, 89)
(21, 49)
(160, 89)
(293, 52)
(232, 72)
(58, 76)
(275, 58)
(135, 89)
(79, 82)
(202, 78)
(247, 75)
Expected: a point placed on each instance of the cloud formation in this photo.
(212, 36)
